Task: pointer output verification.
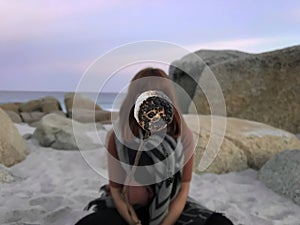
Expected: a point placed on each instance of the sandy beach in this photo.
(52, 187)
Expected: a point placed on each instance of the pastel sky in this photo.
(48, 45)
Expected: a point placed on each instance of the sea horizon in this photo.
(104, 99)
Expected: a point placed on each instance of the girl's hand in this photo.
(137, 223)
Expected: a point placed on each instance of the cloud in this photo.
(295, 15)
(26, 19)
(49, 10)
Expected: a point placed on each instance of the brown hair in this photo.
(128, 124)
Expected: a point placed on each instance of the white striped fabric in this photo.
(165, 172)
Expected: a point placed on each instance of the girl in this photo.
(157, 194)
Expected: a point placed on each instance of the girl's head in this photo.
(145, 80)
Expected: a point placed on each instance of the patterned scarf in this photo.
(161, 164)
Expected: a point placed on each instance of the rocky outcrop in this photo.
(260, 87)
(50, 104)
(282, 174)
(84, 110)
(31, 106)
(243, 144)
(187, 71)
(15, 117)
(75, 101)
(32, 111)
(31, 117)
(46, 105)
(14, 107)
(13, 148)
(90, 116)
(57, 132)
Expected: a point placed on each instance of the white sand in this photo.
(54, 186)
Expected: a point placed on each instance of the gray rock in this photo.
(257, 87)
(187, 71)
(10, 107)
(244, 144)
(31, 117)
(31, 106)
(282, 174)
(27, 136)
(34, 124)
(59, 113)
(50, 104)
(15, 117)
(75, 101)
(91, 116)
(60, 132)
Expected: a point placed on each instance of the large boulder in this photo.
(13, 148)
(46, 105)
(50, 104)
(15, 117)
(282, 174)
(31, 106)
(90, 116)
(187, 71)
(32, 111)
(14, 107)
(56, 131)
(244, 144)
(31, 117)
(260, 87)
(77, 101)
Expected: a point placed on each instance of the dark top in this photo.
(139, 193)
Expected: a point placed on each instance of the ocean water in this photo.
(108, 101)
